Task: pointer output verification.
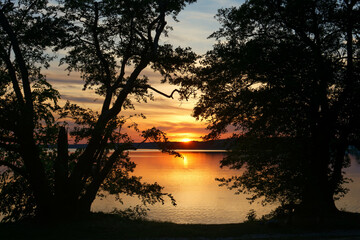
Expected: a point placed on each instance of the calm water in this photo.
(199, 198)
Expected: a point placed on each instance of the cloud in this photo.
(196, 24)
(66, 81)
(162, 105)
(193, 128)
(98, 100)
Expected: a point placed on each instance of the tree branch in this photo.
(99, 53)
(20, 60)
(151, 25)
(9, 147)
(86, 159)
(27, 11)
(111, 90)
(16, 169)
(143, 38)
(97, 181)
(12, 73)
(158, 91)
(104, 62)
(164, 94)
(83, 40)
(125, 58)
(159, 30)
(122, 73)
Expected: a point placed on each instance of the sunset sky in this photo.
(197, 22)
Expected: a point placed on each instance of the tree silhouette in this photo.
(110, 43)
(285, 74)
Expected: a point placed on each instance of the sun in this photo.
(186, 140)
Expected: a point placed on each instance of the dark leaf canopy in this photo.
(109, 43)
(285, 74)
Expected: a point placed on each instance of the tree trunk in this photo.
(61, 171)
(37, 177)
(318, 198)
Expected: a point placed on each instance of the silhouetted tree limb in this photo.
(101, 38)
(9, 147)
(164, 94)
(12, 73)
(19, 170)
(20, 60)
(276, 76)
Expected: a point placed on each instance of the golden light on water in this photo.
(186, 163)
(191, 180)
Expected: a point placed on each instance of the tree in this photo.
(110, 43)
(285, 74)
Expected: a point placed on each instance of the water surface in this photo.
(199, 199)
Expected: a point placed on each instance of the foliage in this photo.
(285, 75)
(272, 169)
(137, 213)
(110, 43)
(27, 101)
(251, 216)
(17, 200)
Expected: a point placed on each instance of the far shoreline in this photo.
(222, 144)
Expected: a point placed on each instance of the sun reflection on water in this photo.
(186, 163)
(191, 180)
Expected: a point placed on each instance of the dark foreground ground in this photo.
(106, 226)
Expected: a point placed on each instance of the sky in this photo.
(196, 23)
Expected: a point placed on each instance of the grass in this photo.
(108, 226)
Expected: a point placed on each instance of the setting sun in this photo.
(185, 140)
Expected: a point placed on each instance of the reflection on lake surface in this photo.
(199, 199)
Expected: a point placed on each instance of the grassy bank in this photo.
(106, 226)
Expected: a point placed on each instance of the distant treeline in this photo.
(206, 145)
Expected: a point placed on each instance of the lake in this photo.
(199, 199)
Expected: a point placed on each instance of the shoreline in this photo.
(110, 226)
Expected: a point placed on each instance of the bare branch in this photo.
(158, 91)
(164, 94)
